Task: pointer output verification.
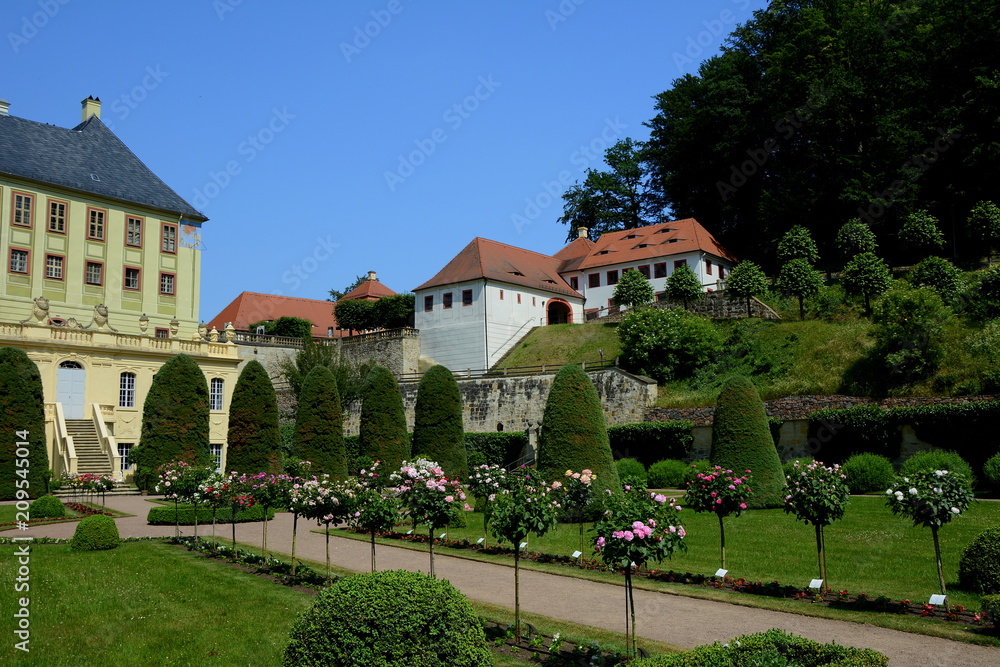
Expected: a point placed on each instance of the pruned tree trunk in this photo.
(937, 555)
(722, 542)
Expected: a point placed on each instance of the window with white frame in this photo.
(124, 448)
(215, 390)
(216, 449)
(169, 238)
(54, 267)
(126, 390)
(18, 260)
(94, 274)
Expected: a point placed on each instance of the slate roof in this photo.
(369, 290)
(647, 243)
(500, 262)
(250, 307)
(67, 158)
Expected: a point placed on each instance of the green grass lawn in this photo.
(150, 603)
(870, 550)
(560, 344)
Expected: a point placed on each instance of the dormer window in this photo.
(604, 252)
(516, 273)
(632, 236)
(665, 230)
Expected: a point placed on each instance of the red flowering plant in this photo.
(817, 494)
(181, 482)
(634, 530)
(269, 491)
(429, 496)
(722, 492)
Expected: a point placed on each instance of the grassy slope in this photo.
(560, 344)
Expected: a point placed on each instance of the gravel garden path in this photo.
(678, 620)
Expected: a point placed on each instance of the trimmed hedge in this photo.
(631, 472)
(384, 619)
(437, 422)
(979, 569)
(22, 408)
(937, 459)
(319, 425)
(574, 432)
(774, 647)
(96, 532)
(650, 442)
(165, 516)
(868, 473)
(991, 607)
(968, 428)
(495, 448)
(382, 430)
(742, 440)
(47, 507)
(253, 441)
(668, 474)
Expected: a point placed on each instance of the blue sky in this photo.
(326, 139)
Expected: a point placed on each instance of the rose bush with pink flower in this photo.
(720, 491)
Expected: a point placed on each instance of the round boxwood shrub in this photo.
(939, 459)
(385, 619)
(868, 473)
(47, 507)
(94, 533)
(991, 471)
(631, 472)
(668, 474)
(979, 569)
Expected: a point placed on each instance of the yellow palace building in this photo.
(101, 286)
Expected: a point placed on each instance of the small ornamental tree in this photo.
(254, 443)
(236, 493)
(577, 495)
(394, 312)
(376, 506)
(684, 285)
(741, 440)
(921, 234)
(867, 276)
(355, 314)
(182, 482)
(269, 491)
(429, 496)
(746, 281)
(24, 460)
(931, 498)
(438, 434)
(984, 224)
(485, 482)
(720, 491)
(327, 501)
(797, 243)
(633, 290)
(311, 499)
(908, 329)
(174, 420)
(382, 431)
(574, 433)
(634, 530)
(940, 275)
(818, 495)
(801, 280)
(527, 506)
(855, 237)
(319, 425)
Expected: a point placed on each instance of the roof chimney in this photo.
(91, 107)
(581, 232)
(4, 107)
(371, 275)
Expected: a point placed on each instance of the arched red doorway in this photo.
(558, 312)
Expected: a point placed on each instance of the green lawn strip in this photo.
(151, 603)
(8, 516)
(870, 550)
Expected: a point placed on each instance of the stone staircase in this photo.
(89, 457)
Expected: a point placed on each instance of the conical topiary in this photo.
(382, 431)
(741, 440)
(574, 434)
(22, 420)
(438, 434)
(174, 420)
(319, 425)
(253, 441)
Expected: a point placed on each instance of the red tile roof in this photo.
(250, 307)
(369, 290)
(500, 262)
(573, 254)
(646, 243)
